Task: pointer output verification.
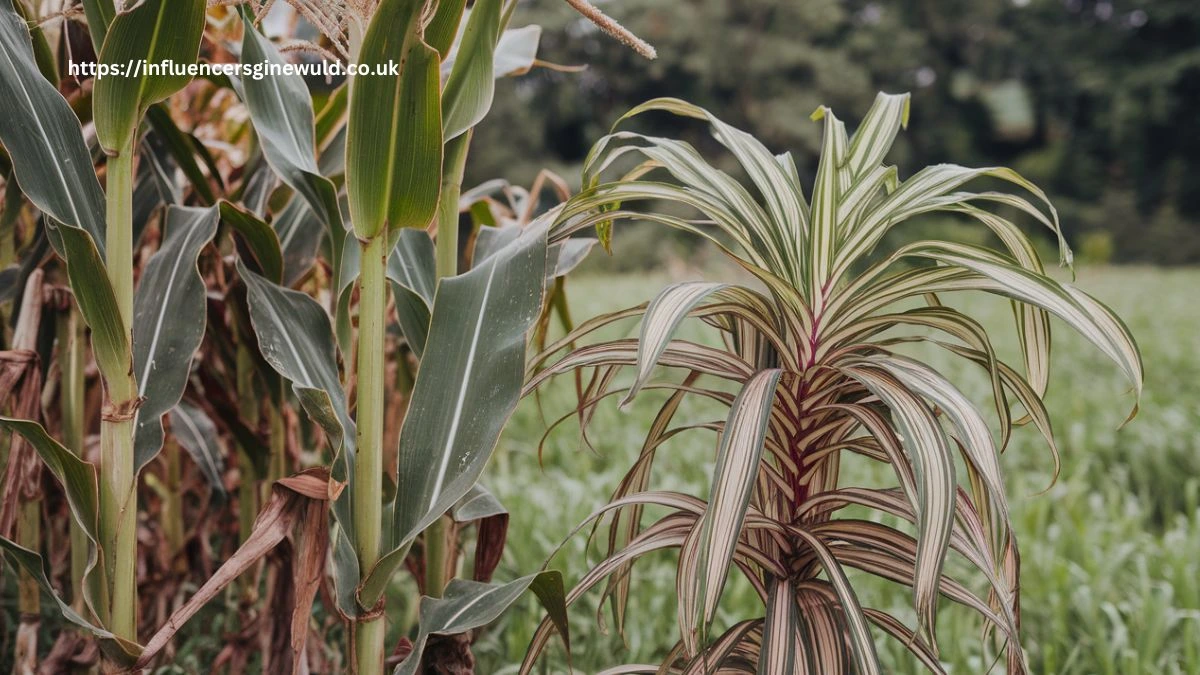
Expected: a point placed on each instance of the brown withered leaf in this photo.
(297, 506)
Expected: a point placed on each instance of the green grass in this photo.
(1111, 553)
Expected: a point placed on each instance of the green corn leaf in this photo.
(97, 303)
(477, 504)
(411, 269)
(118, 649)
(394, 142)
(261, 240)
(183, 148)
(281, 112)
(296, 339)
(197, 434)
(442, 29)
(300, 233)
(151, 32)
(468, 385)
(475, 375)
(99, 14)
(77, 477)
(468, 94)
(43, 137)
(467, 605)
(717, 531)
(169, 312)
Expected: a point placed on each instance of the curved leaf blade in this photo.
(168, 322)
(148, 34)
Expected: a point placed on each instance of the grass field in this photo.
(1111, 552)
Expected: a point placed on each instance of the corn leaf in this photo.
(281, 112)
(394, 141)
(260, 239)
(197, 434)
(468, 94)
(168, 322)
(411, 269)
(467, 605)
(468, 385)
(149, 33)
(43, 137)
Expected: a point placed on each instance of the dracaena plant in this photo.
(814, 374)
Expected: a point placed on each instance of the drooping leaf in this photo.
(300, 233)
(933, 464)
(43, 137)
(197, 434)
(98, 304)
(143, 36)
(168, 322)
(516, 51)
(468, 93)
(411, 269)
(467, 605)
(116, 648)
(281, 112)
(296, 339)
(718, 529)
(298, 505)
(261, 240)
(394, 142)
(780, 630)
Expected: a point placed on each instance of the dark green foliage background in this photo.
(1094, 100)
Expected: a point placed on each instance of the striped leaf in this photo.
(168, 322)
(780, 631)
(862, 645)
(718, 529)
(933, 462)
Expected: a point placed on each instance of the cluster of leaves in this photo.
(264, 225)
(813, 353)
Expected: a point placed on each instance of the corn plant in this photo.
(94, 235)
(356, 183)
(813, 370)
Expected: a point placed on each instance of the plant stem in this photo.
(248, 411)
(368, 466)
(172, 512)
(118, 494)
(71, 409)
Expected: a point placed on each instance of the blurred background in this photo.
(1094, 100)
